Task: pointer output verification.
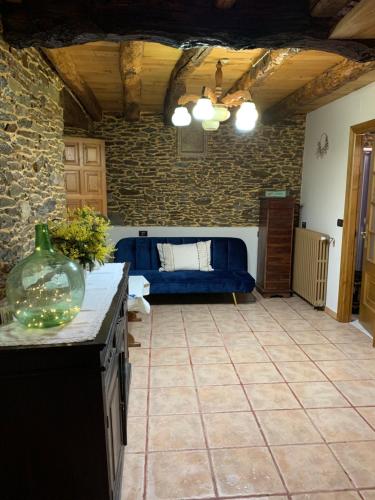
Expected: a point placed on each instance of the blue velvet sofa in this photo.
(228, 258)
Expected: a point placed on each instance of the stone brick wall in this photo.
(149, 185)
(31, 147)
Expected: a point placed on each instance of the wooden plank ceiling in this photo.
(293, 74)
(97, 64)
(134, 77)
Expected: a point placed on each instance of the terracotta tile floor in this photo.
(266, 400)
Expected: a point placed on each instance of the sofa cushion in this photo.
(188, 257)
(197, 281)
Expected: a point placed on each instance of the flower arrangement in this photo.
(82, 237)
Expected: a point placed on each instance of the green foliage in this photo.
(82, 237)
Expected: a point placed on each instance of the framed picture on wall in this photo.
(191, 141)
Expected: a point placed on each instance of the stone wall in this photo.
(31, 147)
(148, 184)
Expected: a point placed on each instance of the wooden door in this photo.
(85, 176)
(367, 305)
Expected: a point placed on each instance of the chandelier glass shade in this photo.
(244, 125)
(181, 117)
(203, 110)
(212, 108)
(210, 125)
(246, 117)
(222, 113)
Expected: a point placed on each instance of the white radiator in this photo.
(310, 265)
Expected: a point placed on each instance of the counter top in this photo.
(101, 287)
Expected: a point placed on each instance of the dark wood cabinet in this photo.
(63, 414)
(275, 245)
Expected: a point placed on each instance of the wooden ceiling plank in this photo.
(358, 22)
(267, 64)
(131, 55)
(189, 60)
(66, 68)
(323, 85)
(326, 8)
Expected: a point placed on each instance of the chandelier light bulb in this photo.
(181, 117)
(210, 125)
(246, 117)
(244, 124)
(222, 113)
(248, 111)
(203, 110)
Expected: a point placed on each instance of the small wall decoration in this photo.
(322, 146)
(280, 193)
(191, 141)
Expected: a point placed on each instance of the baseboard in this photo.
(331, 313)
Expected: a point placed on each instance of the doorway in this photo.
(357, 274)
(361, 233)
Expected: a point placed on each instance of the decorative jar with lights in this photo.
(46, 288)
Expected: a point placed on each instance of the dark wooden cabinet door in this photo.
(115, 424)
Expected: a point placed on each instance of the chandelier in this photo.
(212, 108)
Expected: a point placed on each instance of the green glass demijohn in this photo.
(46, 288)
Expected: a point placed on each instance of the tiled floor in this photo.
(265, 400)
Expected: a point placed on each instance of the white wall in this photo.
(324, 180)
(247, 234)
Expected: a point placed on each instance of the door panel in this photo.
(72, 182)
(115, 426)
(72, 204)
(85, 176)
(371, 248)
(92, 155)
(367, 305)
(71, 153)
(369, 295)
(92, 182)
(95, 204)
(114, 417)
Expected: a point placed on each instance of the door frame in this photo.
(348, 248)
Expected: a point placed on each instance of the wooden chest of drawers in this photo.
(275, 246)
(63, 414)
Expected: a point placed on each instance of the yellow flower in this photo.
(83, 236)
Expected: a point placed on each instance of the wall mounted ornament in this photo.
(322, 146)
(191, 141)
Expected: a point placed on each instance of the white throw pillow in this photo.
(190, 257)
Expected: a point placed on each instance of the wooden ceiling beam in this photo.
(327, 8)
(269, 24)
(131, 55)
(224, 4)
(65, 67)
(190, 60)
(357, 23)
(332, 79)
(74, 113)
(267, 64)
